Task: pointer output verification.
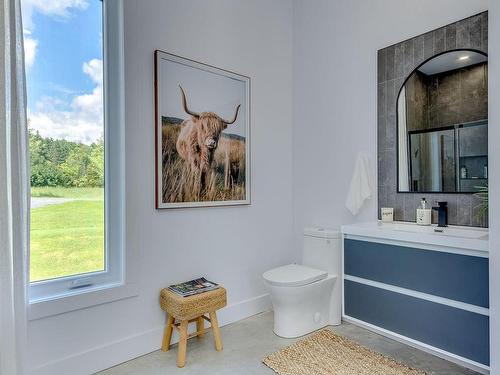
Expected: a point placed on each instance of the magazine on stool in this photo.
(196, 286)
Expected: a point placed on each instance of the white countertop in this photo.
(456, 237)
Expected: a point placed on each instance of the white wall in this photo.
(494, 181)
(234, 245)
(335, 92)
(334, 117)
(335, 104)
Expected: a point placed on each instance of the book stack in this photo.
(196, 286)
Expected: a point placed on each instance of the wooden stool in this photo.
(183, 310)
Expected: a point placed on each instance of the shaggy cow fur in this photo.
(198, 140)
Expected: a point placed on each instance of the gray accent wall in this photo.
(448, 98)
(417, 102)
(458, 96)
(395, 63)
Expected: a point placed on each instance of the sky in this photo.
(63, 58)
(205, 91)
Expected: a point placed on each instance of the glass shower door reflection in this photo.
(432, 161)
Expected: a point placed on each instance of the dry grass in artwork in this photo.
(226, 180)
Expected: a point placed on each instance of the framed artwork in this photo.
(202, 130)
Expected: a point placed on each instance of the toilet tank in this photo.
(322, 249)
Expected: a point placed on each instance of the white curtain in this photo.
(404, 177)
(14, 192)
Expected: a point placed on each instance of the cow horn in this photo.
(235, 116)
(184, 105)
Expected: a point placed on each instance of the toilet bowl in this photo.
(307, 296)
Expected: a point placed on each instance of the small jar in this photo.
(387, 214)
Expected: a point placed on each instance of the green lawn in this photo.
(67, 238)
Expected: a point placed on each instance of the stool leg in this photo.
(200, 326)
(181, 355)
(216, 331)
(167, 334)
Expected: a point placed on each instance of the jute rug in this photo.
(325, 353)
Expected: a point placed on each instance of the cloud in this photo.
(60, 88)
(80, 120)
(60, 9)
(93, 69)
(30, 46)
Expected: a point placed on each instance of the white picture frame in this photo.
(201, 160)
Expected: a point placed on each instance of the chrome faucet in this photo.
(442, 209)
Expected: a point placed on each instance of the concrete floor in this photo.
(246, 342)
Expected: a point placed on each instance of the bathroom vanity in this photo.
(424, 286)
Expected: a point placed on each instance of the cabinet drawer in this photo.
(454, 330)
(458, 277)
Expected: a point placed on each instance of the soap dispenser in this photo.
(424, 213)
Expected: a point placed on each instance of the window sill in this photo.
(81, 300)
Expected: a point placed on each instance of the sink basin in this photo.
(469, 232)
(455, 239)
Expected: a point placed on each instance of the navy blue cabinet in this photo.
(379, 281)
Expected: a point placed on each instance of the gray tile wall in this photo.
(447, 98)
(395, 63)
(459, 96)
(417, 102)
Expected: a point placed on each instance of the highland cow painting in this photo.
(202, 134)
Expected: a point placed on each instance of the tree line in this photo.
(57, 162)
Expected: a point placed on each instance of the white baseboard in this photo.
(464, 362)
(116, 352)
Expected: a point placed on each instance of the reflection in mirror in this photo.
(432, 160)
(442, 115)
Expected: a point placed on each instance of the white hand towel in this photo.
(360, 189)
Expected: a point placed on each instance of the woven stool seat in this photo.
(185, 310)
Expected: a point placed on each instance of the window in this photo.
(75, 143)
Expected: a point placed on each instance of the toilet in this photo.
(307, 296)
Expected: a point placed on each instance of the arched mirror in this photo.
(442, 117)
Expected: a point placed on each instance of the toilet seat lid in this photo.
(293, 275)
